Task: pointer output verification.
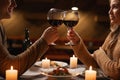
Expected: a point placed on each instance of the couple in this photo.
(107, 57)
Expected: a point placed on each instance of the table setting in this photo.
(47, 69)
(36, 71)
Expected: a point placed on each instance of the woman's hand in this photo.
(73, 36)
(50, 35)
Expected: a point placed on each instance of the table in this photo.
(40, 77)
(46, 78)
(35, 74)
(43, 77)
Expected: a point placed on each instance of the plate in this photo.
(76, 71)
(52, 63)
(73, 73)
(33, 71)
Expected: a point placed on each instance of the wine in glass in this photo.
(70, 19)
(55, 18)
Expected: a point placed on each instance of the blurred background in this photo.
(93, 25)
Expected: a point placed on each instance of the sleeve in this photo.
(109, 67)
(24, 60)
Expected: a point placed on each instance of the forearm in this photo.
(84, 55)
(24, 60)
(34, 52)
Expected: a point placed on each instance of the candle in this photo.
(90, 74)
(45, 63)
(11, 74)
(73, 62)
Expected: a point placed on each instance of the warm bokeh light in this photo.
(87, 26)
(74, 8)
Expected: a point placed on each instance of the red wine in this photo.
(55, 22)
(70, 23)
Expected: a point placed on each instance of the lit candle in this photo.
(73, 62)
(90, 74)
(11, 74)
(45, 63)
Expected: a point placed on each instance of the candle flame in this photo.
(11, 67)
(90, 68)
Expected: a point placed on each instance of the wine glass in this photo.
(70, 19)
(55, 18)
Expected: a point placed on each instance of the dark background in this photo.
(93, 25)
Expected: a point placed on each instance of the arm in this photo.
(26, 59)
(110, 67)
(84, 55)
(80, 49)
(23, 61)
(108, 59)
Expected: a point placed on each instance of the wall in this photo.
(88, 27)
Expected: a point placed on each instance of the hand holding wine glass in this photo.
(70, 20)
(55, 18)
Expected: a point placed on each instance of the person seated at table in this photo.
(27, 58)
(107, 57)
